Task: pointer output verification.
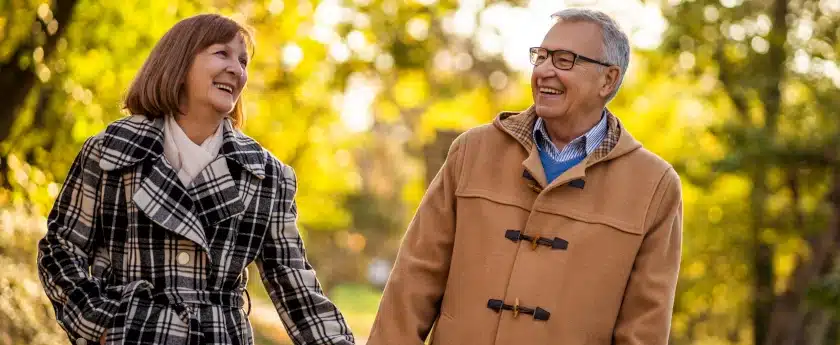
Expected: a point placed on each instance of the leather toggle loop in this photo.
(538, 313)
(555, 243)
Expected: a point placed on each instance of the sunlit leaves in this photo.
(783, 138)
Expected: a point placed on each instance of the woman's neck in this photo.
(198, 128)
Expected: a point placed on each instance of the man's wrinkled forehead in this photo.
(578, 36)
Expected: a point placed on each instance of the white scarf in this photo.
(185, 156)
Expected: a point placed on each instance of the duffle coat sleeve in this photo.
(649, 296)
(409, 304)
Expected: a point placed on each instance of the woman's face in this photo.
(216, 78)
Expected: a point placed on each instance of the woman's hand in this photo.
(102, 339)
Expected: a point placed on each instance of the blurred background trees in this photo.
(363, 97)
(774, 65)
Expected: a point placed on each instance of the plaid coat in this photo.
(133, 253)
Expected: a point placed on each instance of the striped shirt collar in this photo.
(580, 147)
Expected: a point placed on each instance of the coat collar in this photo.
(520, 125)
(133, 139)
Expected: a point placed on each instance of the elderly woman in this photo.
(161, 213)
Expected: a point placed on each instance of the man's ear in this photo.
(610, 81)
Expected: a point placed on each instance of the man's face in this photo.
(580, 90)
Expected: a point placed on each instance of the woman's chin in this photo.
(223, 109)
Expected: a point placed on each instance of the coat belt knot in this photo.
(141, 301)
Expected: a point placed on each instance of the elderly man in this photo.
(549, 226)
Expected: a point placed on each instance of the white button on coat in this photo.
(81, 341)
(183, 258)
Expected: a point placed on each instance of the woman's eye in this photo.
(222, 53)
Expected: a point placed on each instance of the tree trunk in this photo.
(763, 261)
(4, 173)
(770, 93)
(832, 335)
(435, 153)
(17, 81)
(816, 330)
(788, 317)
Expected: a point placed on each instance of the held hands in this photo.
(102, 339)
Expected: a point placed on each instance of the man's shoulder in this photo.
(645, 165)
(487, 133)
(646, 157)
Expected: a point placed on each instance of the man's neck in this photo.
(567, 128)
(198, 127)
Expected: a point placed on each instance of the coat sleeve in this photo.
(410, 302)
(65, 253)
(645, 315)
(308, 315)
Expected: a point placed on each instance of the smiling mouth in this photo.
(551, 91)
(224, 87)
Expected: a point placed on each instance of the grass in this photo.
(358, 303)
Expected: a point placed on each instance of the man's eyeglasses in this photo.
(562, 59)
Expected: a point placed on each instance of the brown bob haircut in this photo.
(156, 89)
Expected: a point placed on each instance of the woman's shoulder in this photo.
(126, 127)
(128, 140)
(258, 158)
(279, 169)
(134, 123)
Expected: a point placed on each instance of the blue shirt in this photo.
(555, 160)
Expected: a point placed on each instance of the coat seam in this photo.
(658, 200)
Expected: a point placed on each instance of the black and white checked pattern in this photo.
(132, 252)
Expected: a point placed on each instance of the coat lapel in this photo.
(164, 200)
(223, 190)
(243, 150)
(217, 194)
(213, 196)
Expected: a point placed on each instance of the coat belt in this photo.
(177, 296)
(180, 300)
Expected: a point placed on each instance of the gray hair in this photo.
(616, 45)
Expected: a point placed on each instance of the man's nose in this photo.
(545, 69)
